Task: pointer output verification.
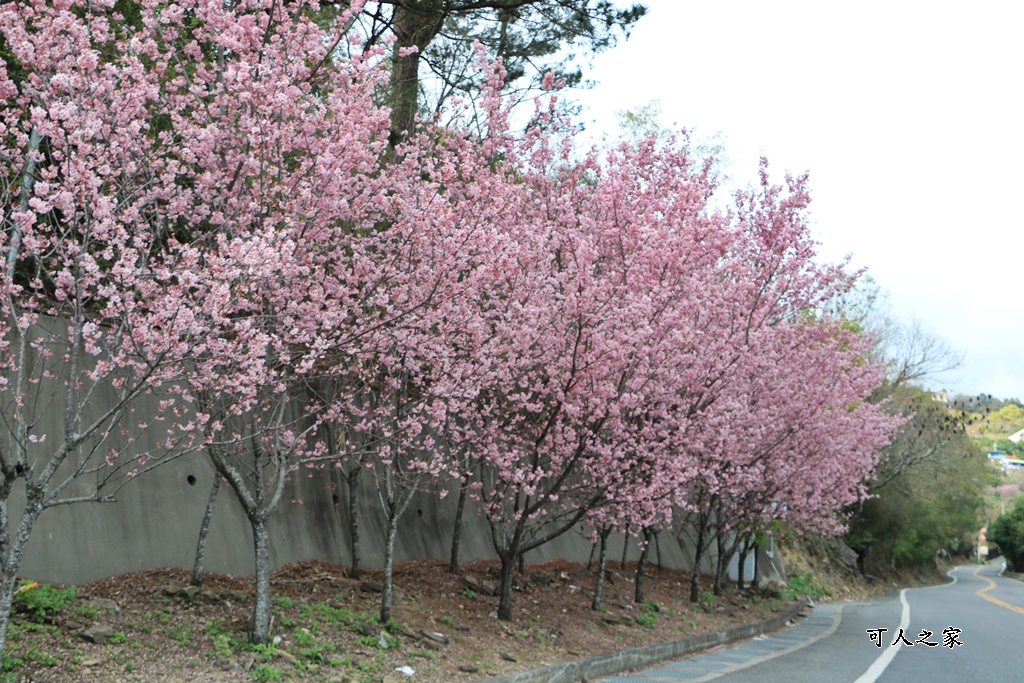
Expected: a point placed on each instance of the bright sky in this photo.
(908, 115)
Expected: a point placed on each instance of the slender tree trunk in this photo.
(11, 554)
(8, 585)
(698, 557)
(353, 520)
(387, 593)
(625, 548)
(522, 564)
(199, 568)
(453, 564)
(260, 633)
(508, 565)
(721, 563)
(590, 560)
(641, 566)
(742, 562)
(657, 545)
(602, 561)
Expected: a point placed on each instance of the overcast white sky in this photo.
(909, 117)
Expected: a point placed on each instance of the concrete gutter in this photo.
(611, 663)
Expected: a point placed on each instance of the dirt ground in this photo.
(149, 626)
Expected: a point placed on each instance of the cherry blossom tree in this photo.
(81, 356)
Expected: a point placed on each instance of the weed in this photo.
(215, 627)
(801, 584)
(368, 641)
(284, 603)
(118, 638)
(40, 600)
(467, 593)
(391, 626)
(222, 644)
(266, 652)
(708, 598)
(87, 612)
(314, 653)
(11, 663)
(448, 621)
(265, 672)
(647, 620)
(181, 634)
(650, 607)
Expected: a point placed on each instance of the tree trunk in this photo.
(590, 560)
(657, 545)
(353, 520)
(625, 549)
(199, 568)
(389, 564)
(742, 562)
(453, 564)
(602, 560)
(260, 633)
(415, 25)
(11, 552)
(641, 566)
(7, 587)
(508, 565)
(698, 557)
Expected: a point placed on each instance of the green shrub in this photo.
(40, 600)
(800, 584)
(1007, 531)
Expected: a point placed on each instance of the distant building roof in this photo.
(1016, 437)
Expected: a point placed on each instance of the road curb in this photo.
(611, 663)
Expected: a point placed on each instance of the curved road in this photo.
(979, 609)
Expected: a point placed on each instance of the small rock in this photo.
(98, 633)
(382, 643)
(288, 657)
(509, 657)
(247, 662)
(372, 587)
(436, 637)
(621, 620)
(89, 663)
(469, 669)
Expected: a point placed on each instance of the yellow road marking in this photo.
(992, 584)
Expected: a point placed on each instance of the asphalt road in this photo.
(976, 622)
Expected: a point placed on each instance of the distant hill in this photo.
(982, 404)
(989, 421)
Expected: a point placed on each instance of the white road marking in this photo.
(878, 667)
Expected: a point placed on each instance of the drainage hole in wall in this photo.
(191, 479)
